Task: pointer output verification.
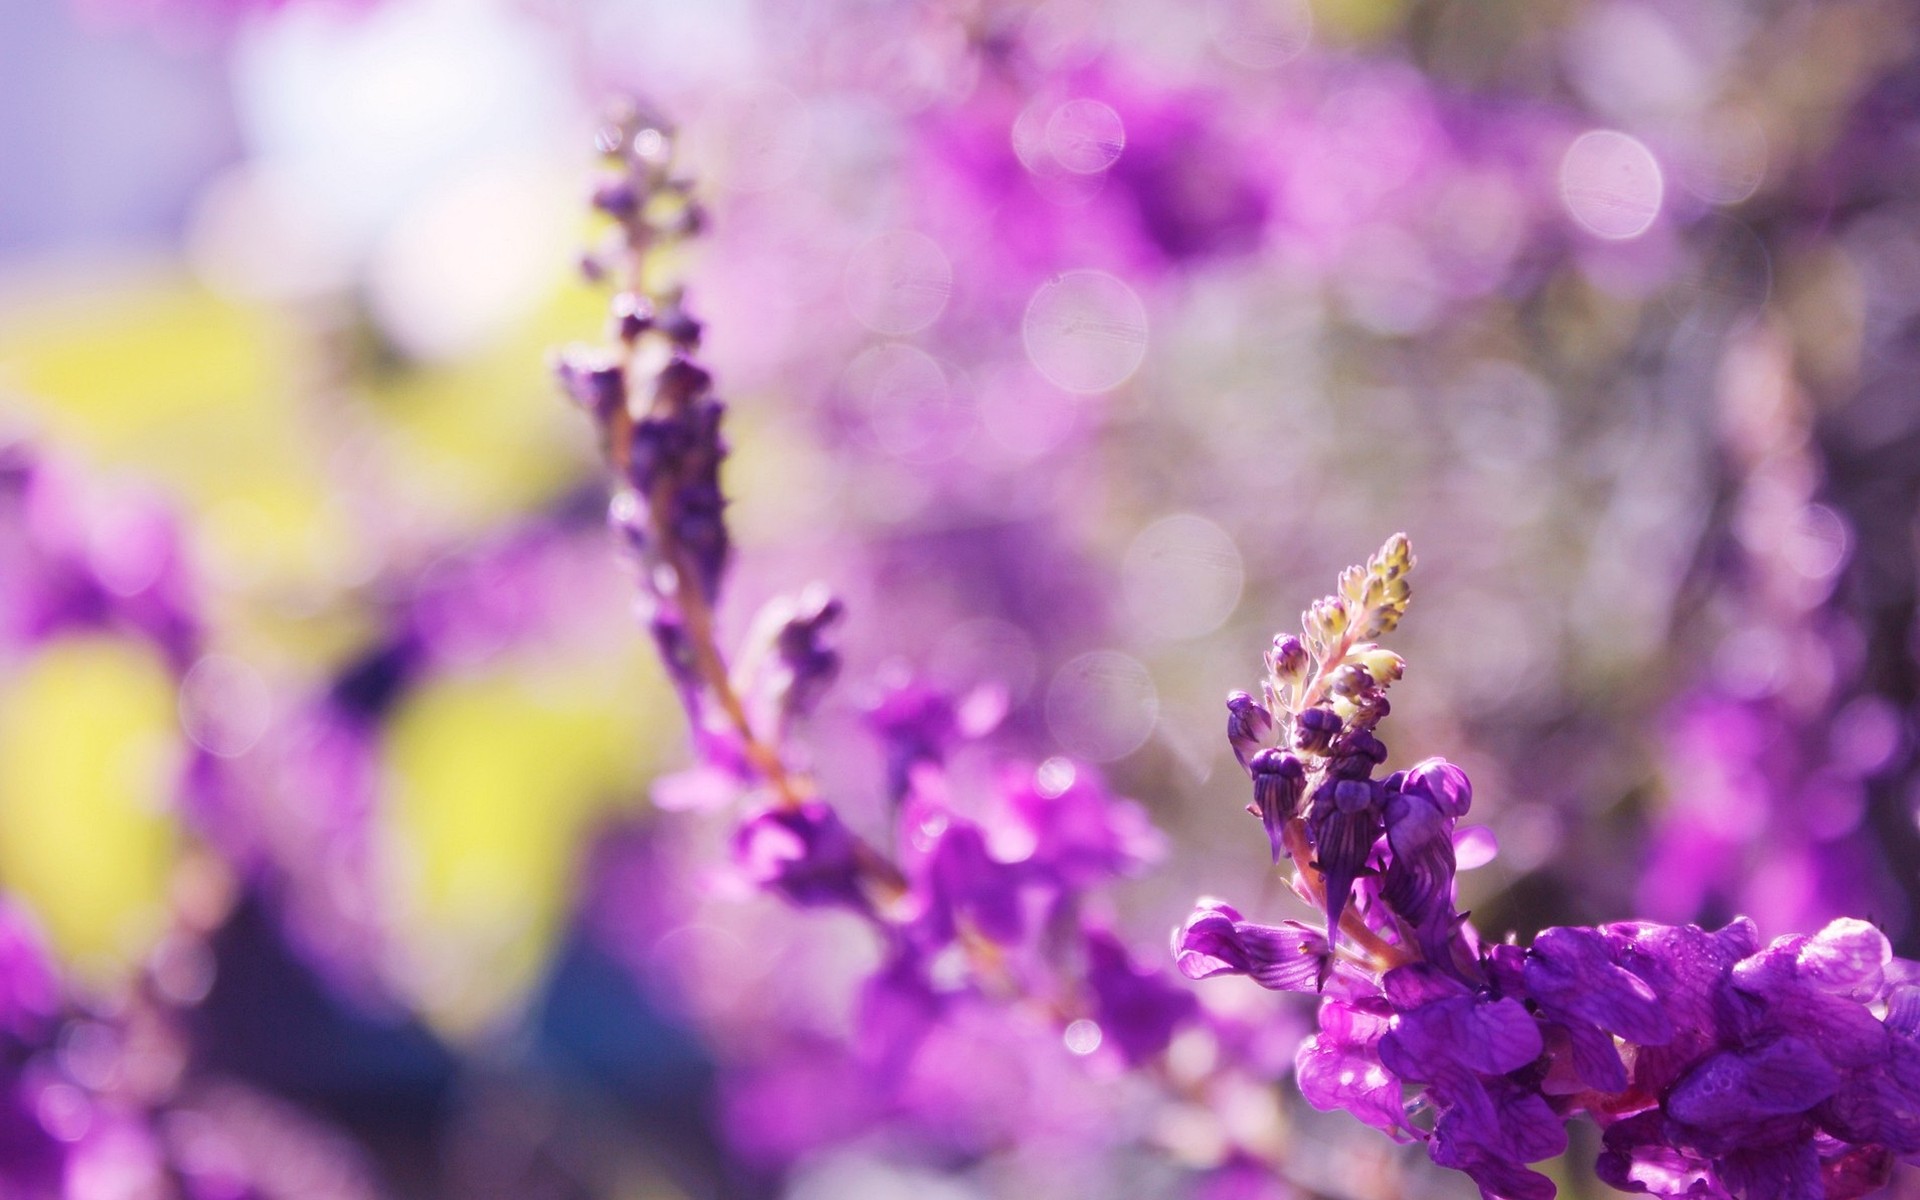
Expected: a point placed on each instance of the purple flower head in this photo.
(918, 723)
(1138, 1010)
(965, 887)
(674, 464)
(1279, 780)
(1064, 824)
(1418, 881)
(594, 380)
(1249, 727)
(1345, 821)
(1288, 957)
(809, 665)
(805, 854)
(1315, 729)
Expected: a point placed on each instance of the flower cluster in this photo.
(1715, 1066)
(980, 893)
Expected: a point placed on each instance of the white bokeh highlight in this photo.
(1182, 577)
(1085, 331)
(898, 282)
(1611, 184)
(1101, 706)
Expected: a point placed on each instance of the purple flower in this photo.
(594, 380)
(1418, 881)
(916, 724)
(1063, 823)
(1444, 1025)
(1288, 957)
(897, 1007)
(1746, 1086)
(1314, 730)
(1249, 727)
(674, 464)
(809, 664)
(1345, 821)
(1339, 1067)
(966, 887)
(1571, 972)
(1138, 1010)
(805, 854)
(1279, 779)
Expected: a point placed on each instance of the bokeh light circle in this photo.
(898, 282)
(1086, 331)
(1611, 184)
(1182, 577)
(1101, 706)
(1085, 136)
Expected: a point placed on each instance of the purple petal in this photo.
(897, 1007)
(1080, 834)
(966, 883)
(1418, 883)
(1789, 1171)
(1594, 1058)
(1340, 1067)
(1249, 726)
(1571, 972)
(803, 853)
(1784, 1076)
(1278, 781)
(1475, 846)
(1848, 958)
(1643, 1154)
(1345, 823)
(1138, 1010)
(1443, 783)
(1215, 941)
(1489, 1037)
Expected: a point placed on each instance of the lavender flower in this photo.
(982, 895)
(1715, 1067)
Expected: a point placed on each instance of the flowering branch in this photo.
(659, 425)
(1715, 1067)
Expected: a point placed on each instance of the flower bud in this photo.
(1288, 661)
(1314, 730)
(632, 315)
(1384, 665)
(1249, 726)
(1326, 621)
(1350, 681)
(1279, 780)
